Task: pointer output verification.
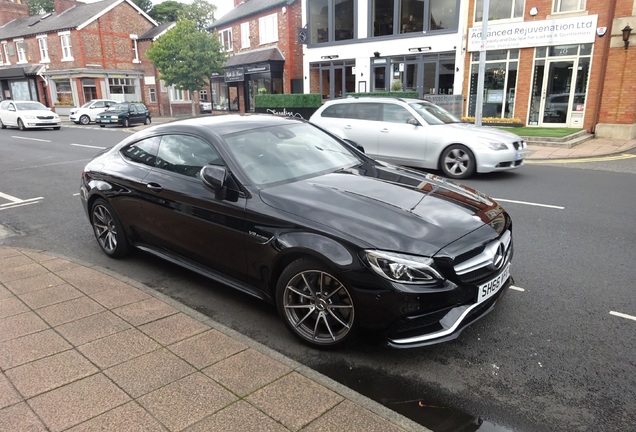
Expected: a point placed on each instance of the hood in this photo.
(387, 208)
(113, 112)
(484, 132)
(45, 113)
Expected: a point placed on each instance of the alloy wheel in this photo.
(458, 162)
(85, 120)
(318, 307)
(105, 229)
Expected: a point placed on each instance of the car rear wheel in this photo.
(102, 125)
(57, 128)
(147, 121)
(126, 122)
(458, 162)
(108, 230)
(2, 125)
(85, 119)
(21, 125)
(315, 305)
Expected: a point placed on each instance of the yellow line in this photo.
(580, 160)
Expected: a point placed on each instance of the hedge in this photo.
(296, 100)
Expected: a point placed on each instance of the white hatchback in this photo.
(417, 133)
(27, 115)
(87, 112)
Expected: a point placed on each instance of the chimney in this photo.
(12, 9)
(62, 5)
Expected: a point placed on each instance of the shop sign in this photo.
(257, 69)
(236, 74)
(564, 31)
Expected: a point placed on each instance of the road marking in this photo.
(530, 203)
(516, 288)
(18, 201)
(76, 194)
(30, 139)
(88, 146)
(18, 205)
(580, 160)
(9, 197)
(622, 315)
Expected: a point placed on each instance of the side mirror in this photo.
(215, 177)
(413, 122)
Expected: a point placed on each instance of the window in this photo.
(179, 95)
(396, 114)
(366, 111)
(568, 5)
(219, 95)
(245, 35)
(142, 152)
(225, 37)
(63, 92)
(499, 10)
(413, 16)
(5, 51)
(44, 49)
(185, 155)
(268, 29)
(203, 95)
(20, 48)
(152, 95)
(123, 86)
(499, 83)
(331, 20)
(135, 49)
(65, 41)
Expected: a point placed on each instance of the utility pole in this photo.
(479, 103)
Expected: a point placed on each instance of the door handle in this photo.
(384, 130)
(347, 127)
(154, 187)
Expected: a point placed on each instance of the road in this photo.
(556, 355)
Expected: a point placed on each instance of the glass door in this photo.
(557, 86)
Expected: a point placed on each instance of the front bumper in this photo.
(502, 160)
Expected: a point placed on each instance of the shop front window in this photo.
(122, 86)
(331, 20)
(426, 74)
(499, 83)
(219, 96)
(63, 93)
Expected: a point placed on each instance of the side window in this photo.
(366, 111)
(133, 109)
(335, 111)
(99, 104)
(395, 113)
(186, 155)
(143, 151)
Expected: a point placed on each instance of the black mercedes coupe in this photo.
(284, 211)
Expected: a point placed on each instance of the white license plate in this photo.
(488, 289)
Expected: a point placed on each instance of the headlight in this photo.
(29, 117)
(403, 268)
(497, 146)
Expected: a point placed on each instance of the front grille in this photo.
(45, 117)
(483, 265)
(518, 145)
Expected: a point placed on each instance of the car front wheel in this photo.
(126, 122)
(85, 119)
(147, 121)
(2, 125)
(458, 162)
(315, 305)
(21, 125)
(108, 230)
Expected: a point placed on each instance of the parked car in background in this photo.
(124, 114)
(205, 107)
(88, 112)
(417, 133)
(27, 115)
(278, 209)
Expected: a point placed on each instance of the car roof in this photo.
(227, 123)
(375, 99)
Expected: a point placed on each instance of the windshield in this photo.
(433, 114)
(87, 104)
(287, 152)
(118, 107)
(25, 106)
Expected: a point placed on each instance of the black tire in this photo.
(57, 128)
(2, 125)
(108, 230)
(458, 162)
(85, 120)
(126, 122)
(102, 125)
(21, 125)
(315, 306)
(147, 121)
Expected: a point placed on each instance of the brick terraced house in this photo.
(80, 52)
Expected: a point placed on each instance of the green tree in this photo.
(167, 11)
(186, 57)
(37, 7)
(144, 5)
(199, 11)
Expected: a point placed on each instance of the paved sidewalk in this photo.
(596, 147)
(84, 349)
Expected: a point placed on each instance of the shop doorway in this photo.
(557, 86)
